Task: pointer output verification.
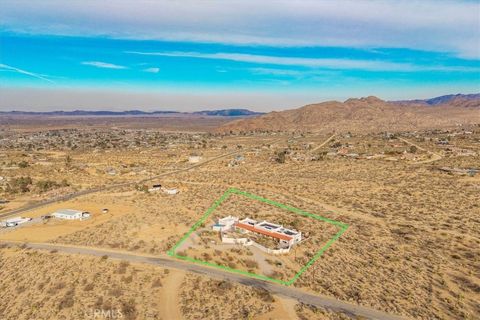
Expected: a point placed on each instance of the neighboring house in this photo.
(69, 214)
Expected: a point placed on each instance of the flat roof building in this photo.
(286, 237)
(70, 214)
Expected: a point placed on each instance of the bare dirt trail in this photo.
(169, 299)
(283, 309)
(435, 156)
(324, 142)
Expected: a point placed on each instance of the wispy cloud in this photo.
(327, 63)
(104, 65)
(449, 26)
(152, 70)
(25, 72)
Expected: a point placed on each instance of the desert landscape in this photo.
(409, 198)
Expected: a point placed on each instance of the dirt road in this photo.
(324, 143)
(108, 188)
(435, 156)
(167, 262)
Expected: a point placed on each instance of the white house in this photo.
(286, 237)
(70, 214)
(224, 224)
(12, 222)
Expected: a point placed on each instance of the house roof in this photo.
(263, 231)
(68, 212)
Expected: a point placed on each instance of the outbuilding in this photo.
(155, 187)
(70, 214)
(12, 222)
(171, 191)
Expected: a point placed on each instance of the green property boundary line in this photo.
(343, 227)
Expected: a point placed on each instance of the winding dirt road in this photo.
(435, 156)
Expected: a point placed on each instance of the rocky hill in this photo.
(363, 115)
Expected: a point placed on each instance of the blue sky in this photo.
(166, 55)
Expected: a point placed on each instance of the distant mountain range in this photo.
(218, 113)
(459, 99)
(229, 113)
(368, 114)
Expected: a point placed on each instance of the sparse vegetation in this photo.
(406, 216)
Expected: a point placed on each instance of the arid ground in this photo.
(411, 200)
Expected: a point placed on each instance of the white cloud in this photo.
(444, 26)
(337, 64)
(105, 65)
(25, 72)
(152, 70)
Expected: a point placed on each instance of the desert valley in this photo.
(401, 179)
(239, 160)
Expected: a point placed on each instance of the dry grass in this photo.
(56, 286)
(413, 243)
(212, 299)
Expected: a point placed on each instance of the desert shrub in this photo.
(56, 287)
(20, 289)
(88, 287)
(141, 187)
(115, 292)
(224, 286)
(250, 263)
(280, 156)
(23, 164)
(45, 185)
(157, 283)
(128, 309)
(264, 295)
(122, 267)
(19, 185)
(67, 301)
(182, 253)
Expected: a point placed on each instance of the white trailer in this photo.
(12, 222)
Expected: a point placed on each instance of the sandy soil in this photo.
(412, 247)
(169, 299)
(50, 229)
